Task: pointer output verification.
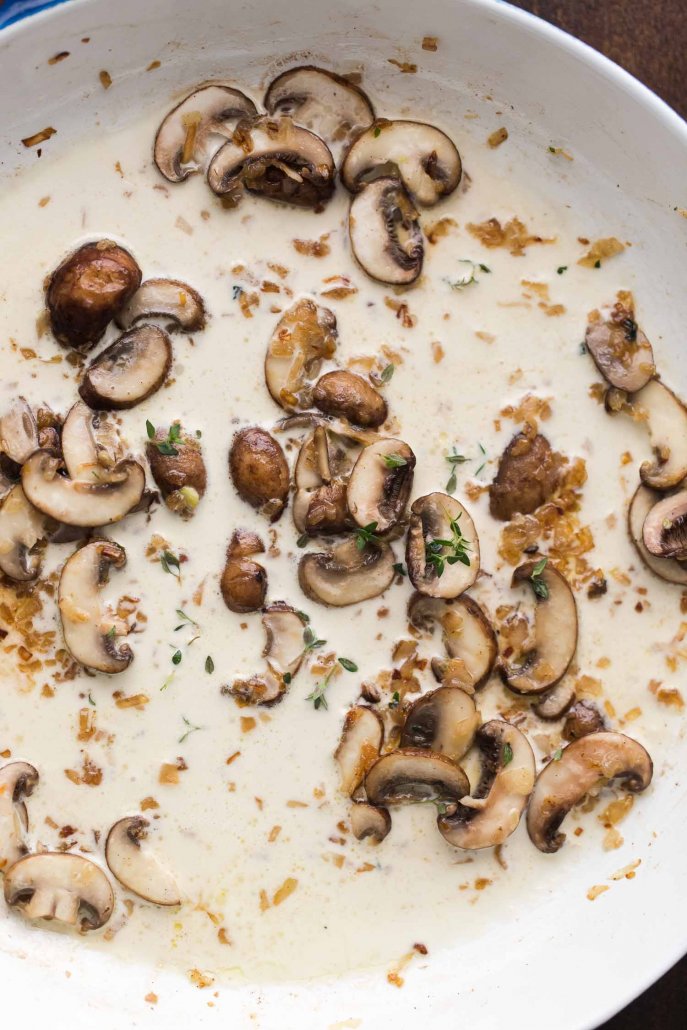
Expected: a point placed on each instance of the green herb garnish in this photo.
(365, 535)
(556, 756)
(302, 540)
(209, 665)
(394, 461)
(540, 588)
(111, 633)
(507, 754)
(185, 620)
(311, 640)
(395, 699)
(191, 729)
(176, 658)
(167, 447)
(90, 699)
(318, 695)
(453, 459)
(597, 263)
(439, 553)
(347, 664)
(561, 269)
(387, 373)
(170, 563)
(376, 131)
(400, 569)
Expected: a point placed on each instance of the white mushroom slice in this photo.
(323, 466)
(18, 432)
(90, 631)
(665, 528)
(275, 159)
(555, 631)
(22, 532)
(347, 574)
(597, 757)
(643, 500)
(195, 129)
(556, 701)
(666, 419)
(468, 635)
(369, 822)
(170, 301)
(90, 445)
(77, 502)
(444, 720)
(442, 549)
(423, 156)
(411, 775)
(361, 742)
(284, 649)
(137, 868)
(17, 782)
(322, 101)
(386, 238)
(61, 886)
(508, 773)
(304, 337)
(621, 351)
(380, 483)
(128, 371)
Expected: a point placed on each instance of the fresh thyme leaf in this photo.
(597, 263)
(167, 449)
(540, 588)
(167, 681)
(457, 548)
(150, 429)
(539, 567)
(441, 807)
(191, 729)
(387, 373)
(209, 665)
(90, 699)
(111, 633)
(583, 348)
(484, 268)
(454, 459)
(561, 269)
(174, 432)
(185, 620)
(318, 695)
(302, 540)
(394, 461)
(169, 563)
(557, 754)
(477, 471)
(303, 617)
(395, 700)
(377, 130)
(468, 279)
(176, 658)
(366, 535)
(236, 291)
(507, 754)
(400, 569)
(311, 640)
(348, 665)
(287, 677)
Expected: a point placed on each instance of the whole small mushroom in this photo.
(527, 476)
(259, 471)
(244, 582)
(349, 396)
(178, 468)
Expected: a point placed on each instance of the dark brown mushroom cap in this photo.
(411, 775)
(243, 585)
(193, 130)
(621, 350)
(563, 783)
(508, 772)
(88, 289)
(336, 109)
(444, 721)
(582, 719)
(528, 475)
(276, 159)
(423, 156)
(665, 527)
(259, 471)
(128, 371)
(181, 476)
(385, 233)
(349, 396)
(643, 500)
(347, 574)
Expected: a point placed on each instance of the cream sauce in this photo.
(354, 905)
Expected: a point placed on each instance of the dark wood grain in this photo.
(649, 38)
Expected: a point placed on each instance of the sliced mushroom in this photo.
(347, 574)
(555, 631)
(259, 471)
(17, 782)
(361, 742)
(556, 701)
(349, 396)
(284, 649)
(666, 420)
(23, 532)
(18, 432)
(494, 811)
(90, 445)
(468, 636)
(643, 501)
(304, 337)
(369, 821)
(90, 631)
(57, 885)
(170, 301)
(421, 155)
(620, 349)
(380, 483)
(178, 469)
(528, 476)
(87, 290)
(77, 502)
(385, 233)
(582, 719)
(136, 867)
(411, 775)
(129, 371)
(444, 720)
(595, 758)
(322, 101)
(324, 464)
(195, 129)
(665, 528)
(276, 159)
(442, 550)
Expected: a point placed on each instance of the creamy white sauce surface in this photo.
(354, 906)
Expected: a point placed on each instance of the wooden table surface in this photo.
(649, 38)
